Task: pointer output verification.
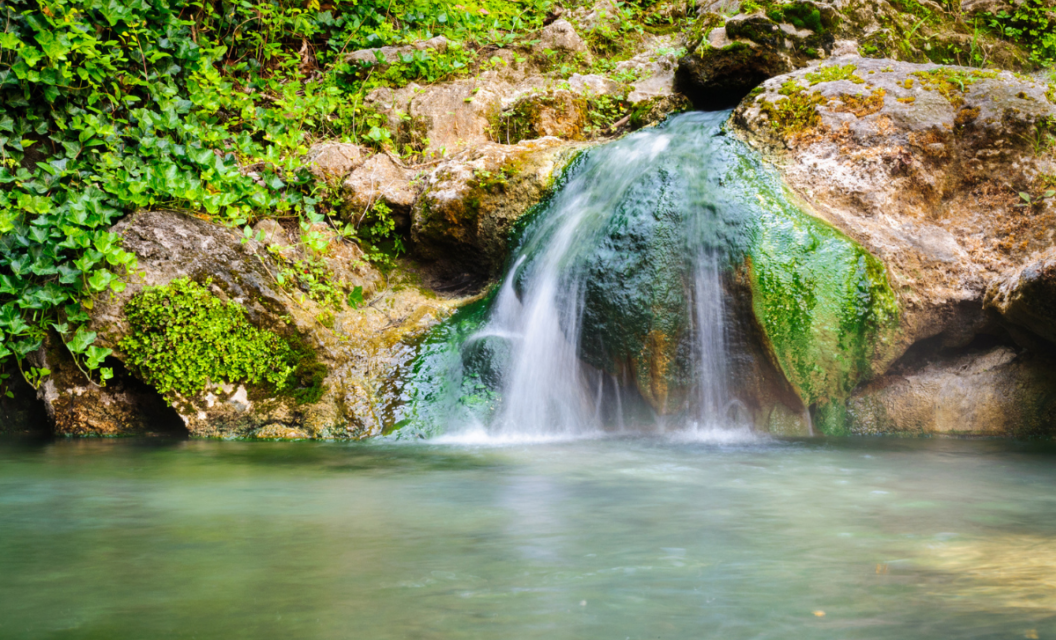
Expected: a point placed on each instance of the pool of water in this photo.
(621, 538)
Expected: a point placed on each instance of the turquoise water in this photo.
(612, 538)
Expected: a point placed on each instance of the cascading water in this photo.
(637, 297)
(623, 265)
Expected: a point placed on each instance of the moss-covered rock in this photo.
(824, 302)
(285, 359)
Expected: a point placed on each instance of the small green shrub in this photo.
(182, 337)
(1032, 24)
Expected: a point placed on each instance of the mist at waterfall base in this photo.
(631, 250)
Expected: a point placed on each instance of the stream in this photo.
(724, 535)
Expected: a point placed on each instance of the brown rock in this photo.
(992, 393)
(380, 179)
(561, 36)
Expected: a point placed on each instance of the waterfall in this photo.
(612, 313)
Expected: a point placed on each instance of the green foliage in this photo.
(1031, 24)
(110, 107)
(801, 16)
(182, 338)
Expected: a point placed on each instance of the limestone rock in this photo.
(359, 352)
(922, 165)
(987, 6)
(470, 203)
(447, 118)
(380, 179)
(593, 84)
(334, 160)
(991, 393)
(1027, 297)
(655, 70)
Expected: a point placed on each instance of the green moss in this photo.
(797, 113)
(832, 73)
(183, 338)
(952, 83)
(823, 301)
(799, 15)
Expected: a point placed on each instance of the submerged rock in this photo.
(346, 384)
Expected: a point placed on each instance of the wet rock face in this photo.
(922, 165)
(358, 353)
(996, 392)
(1026, 298)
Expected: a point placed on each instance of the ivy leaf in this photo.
(100, 279)
(81, 340)
(355, 298)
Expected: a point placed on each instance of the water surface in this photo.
(625, 538)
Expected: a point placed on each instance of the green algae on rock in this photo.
(823, 300)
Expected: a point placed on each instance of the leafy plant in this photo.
(1031, 23)
(110, 107)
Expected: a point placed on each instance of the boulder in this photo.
(922, 165)
(995, 392)
(350, 356)
(561, 37)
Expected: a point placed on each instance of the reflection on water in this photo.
(603, 538)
